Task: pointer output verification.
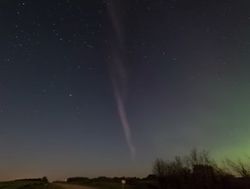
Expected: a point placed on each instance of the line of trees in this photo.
(199, 171)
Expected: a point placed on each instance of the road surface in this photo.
(71, 186)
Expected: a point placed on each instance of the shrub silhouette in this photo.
(199, 171)
(239, 168)
(45, 179)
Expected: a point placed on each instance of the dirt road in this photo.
(71, 186)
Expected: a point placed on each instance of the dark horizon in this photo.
(104, 87)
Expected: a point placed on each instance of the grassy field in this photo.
(113, 185)
(27, 185)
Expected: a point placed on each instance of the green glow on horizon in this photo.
(237, 152)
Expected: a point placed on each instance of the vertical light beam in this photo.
(118, 72)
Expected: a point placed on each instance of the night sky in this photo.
(94, 87)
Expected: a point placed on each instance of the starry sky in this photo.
(104, 87)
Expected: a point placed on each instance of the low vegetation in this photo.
(194, 171)
(112, 183)
(199, 171)
(28, 184)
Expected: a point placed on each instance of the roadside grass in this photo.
(112, 185)
(27, 185)
(108, 185)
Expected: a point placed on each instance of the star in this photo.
(164, 53)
